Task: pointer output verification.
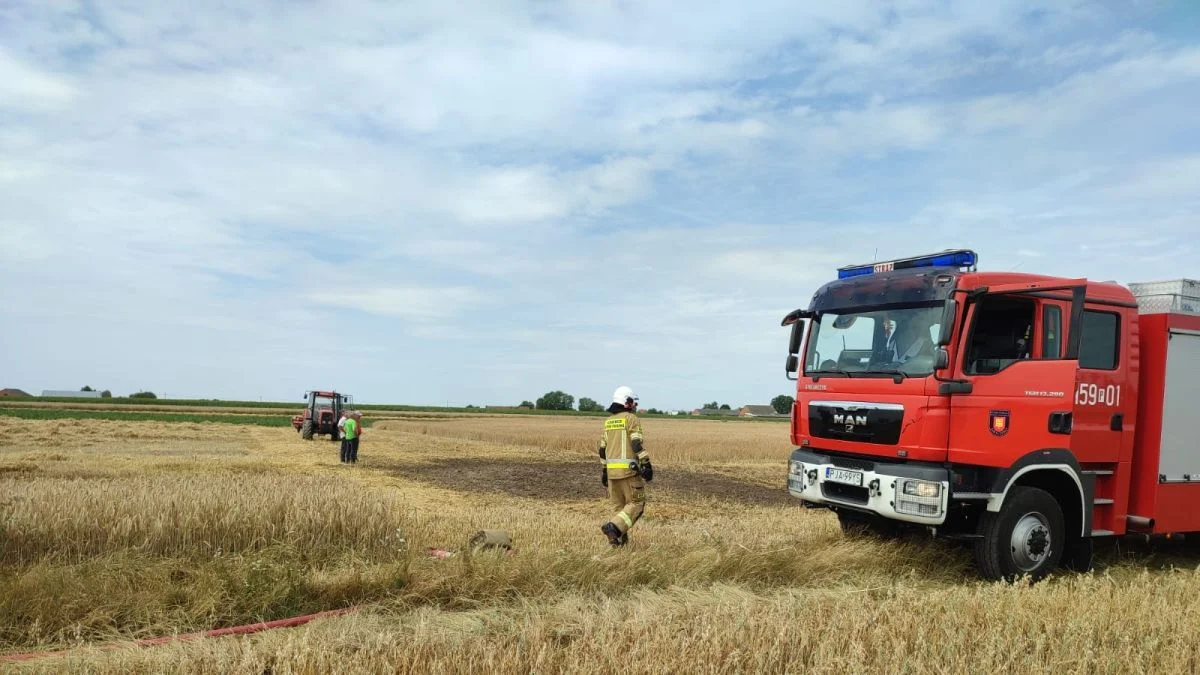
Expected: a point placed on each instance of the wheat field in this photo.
(116, 530)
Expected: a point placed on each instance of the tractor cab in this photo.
(321, 416)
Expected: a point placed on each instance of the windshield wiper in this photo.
(826, 371)
(897, 374)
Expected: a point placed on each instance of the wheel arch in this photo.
(1056, 471)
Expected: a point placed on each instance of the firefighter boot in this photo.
(613, 534)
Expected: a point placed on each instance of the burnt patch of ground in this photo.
(567, 481)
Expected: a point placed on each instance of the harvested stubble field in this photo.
(111, 530)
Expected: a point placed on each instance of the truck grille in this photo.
(860, 422)
(843, 462)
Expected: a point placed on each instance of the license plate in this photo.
(843, 476)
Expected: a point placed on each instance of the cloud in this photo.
(1170, 178)
(1086, 94)
(23, 87)
(415, 304)
(562, 187)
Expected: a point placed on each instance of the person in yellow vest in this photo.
(627, 466)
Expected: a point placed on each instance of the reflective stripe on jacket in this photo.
(620, 431)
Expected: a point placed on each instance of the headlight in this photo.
(923, 488)
(796, 468)
(919, 498)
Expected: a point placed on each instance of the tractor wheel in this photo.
(306, 430)
(1026, 537)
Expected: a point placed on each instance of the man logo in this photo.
(849, 420)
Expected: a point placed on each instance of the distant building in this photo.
(714, 412)
(758, 411)
(53, 393)
(13, 393)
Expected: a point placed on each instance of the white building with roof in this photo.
(54, 393)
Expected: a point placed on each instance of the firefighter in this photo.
(626, 464)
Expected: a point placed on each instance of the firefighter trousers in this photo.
(628, 496)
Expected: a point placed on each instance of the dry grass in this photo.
(670, 441)
(105, 536)
(73, 520)
(724, 628)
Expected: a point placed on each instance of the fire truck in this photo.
(1026, 415)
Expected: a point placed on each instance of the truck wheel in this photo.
(1026, 537)
(306, 430)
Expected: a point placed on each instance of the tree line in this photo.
(108, 394)
(560, 400)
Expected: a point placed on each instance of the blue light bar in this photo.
(950, 258)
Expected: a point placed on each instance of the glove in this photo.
(604, 477)
(646, 470)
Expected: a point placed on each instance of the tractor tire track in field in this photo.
(579, 480)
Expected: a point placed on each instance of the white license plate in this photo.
(843, 476)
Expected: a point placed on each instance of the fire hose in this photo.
(247, 629)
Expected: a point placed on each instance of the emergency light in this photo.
(949, 258)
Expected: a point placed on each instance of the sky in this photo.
(478, 202)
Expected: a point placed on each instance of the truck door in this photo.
(1016, 388)
(1103, 393)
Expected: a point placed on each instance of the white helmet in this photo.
(624, 396)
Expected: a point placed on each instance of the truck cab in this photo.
(991, 407)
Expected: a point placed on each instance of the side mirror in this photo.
(797, 336)
(941, 359)
(792, 367)
(947, 326)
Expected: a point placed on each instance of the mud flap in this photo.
(1078, 555)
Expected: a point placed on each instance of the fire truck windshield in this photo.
(888, 341)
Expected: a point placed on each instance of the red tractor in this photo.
(322, 414)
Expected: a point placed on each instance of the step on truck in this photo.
(1027, 415)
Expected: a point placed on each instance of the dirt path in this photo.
(575, 481)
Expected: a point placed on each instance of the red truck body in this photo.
(1062, 398)
(1161, 485)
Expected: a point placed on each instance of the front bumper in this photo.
(881, 489)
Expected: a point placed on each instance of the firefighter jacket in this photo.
(621, 445)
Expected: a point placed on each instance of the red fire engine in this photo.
(1026, 414)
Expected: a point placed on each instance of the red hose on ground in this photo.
(247, 629)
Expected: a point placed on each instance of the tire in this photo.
(1026, 538)
(855, 524)
(306, 430)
